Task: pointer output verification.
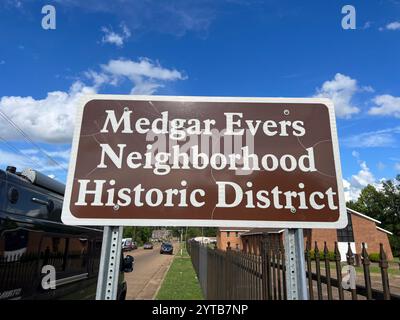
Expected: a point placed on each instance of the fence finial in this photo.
(337, 252)
(338, 260)
(308, 249)
(367, 276)
(326, 251)
(316, 250)
(383, 264)
(349, 255)
(364, 255)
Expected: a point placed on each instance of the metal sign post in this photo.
(107, 284)
(296, 284)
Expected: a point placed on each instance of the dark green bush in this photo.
(331, 255)
(373, 257)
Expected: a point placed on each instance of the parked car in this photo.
(148, 245)
(128, 244)
(166, 248)
(32, 236)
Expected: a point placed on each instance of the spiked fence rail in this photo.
(233, 274)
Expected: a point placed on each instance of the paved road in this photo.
(148, 272)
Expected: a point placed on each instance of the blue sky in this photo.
(204, 47)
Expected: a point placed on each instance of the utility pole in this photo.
(181, 231)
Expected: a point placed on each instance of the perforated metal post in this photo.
(296, 284)
(107, 284)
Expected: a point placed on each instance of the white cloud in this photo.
(142, 68)
(17, 160)
(364, 177)
(146, 75)
(49, 120)
(115, 38)
(341, 90)
(373, 139)
(395, 25)
(353, 186)
(350, 193)
(52, 118)
(386, 105)
(397, 166)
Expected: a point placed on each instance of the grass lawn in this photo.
(181, 282)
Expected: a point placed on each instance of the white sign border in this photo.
(68, 218)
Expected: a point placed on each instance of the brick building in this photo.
(161, 235)
(251, 240)
(360, 228)
(231, 235)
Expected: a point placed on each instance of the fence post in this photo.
(318, 270)
(309, 271)
(226, 288)
(203, 268)
(295, 265)
(367, 277)
(383, 264)
(338, 271)
(266, 269)
(327, 271)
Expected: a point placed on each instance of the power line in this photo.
(18, 151)
(27, 138)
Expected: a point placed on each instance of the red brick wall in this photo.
(365, 231)
(222, 239)
(322, 235)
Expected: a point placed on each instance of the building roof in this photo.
(256, 231)
(384, 230)
(234, 229)
(362, 215)
(369, 218)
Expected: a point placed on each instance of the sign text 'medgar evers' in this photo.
(163, 161)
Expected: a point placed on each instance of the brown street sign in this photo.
(205, 161)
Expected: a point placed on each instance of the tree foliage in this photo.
(143, 234)
(383, 205)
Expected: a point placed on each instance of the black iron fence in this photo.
(234, 274)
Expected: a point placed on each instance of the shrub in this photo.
(373, 257)
(331, 255)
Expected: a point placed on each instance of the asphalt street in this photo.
(148, 272)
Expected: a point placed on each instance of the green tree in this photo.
(391, 214)
(383, 205)
(128, 232)
(370, 202)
